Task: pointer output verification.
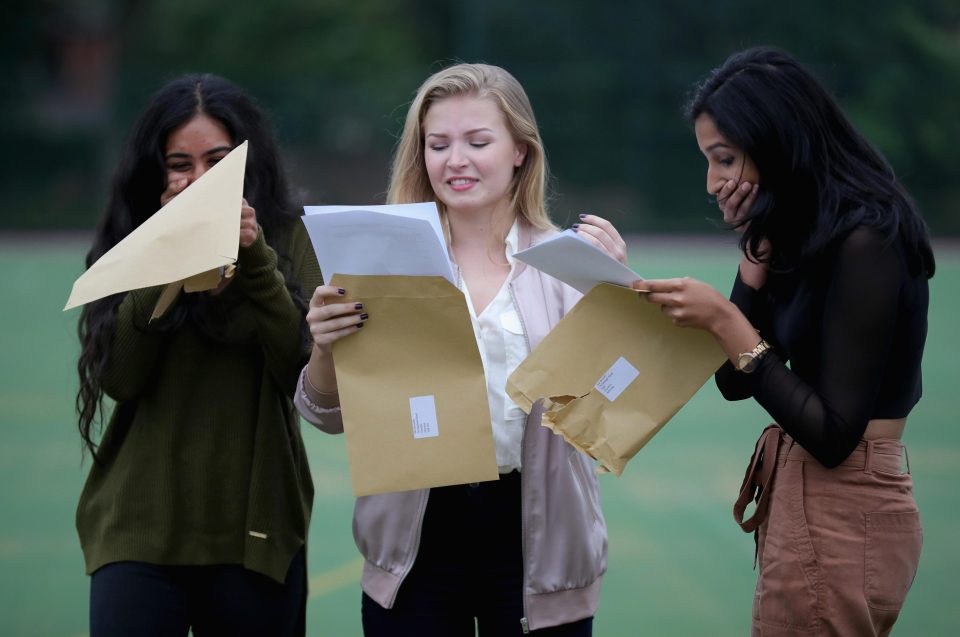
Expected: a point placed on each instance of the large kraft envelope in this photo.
(412, 388)
(188, 244)
(613, 372)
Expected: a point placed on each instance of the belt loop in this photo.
(868, 461)
(906, 456)
(784, 454)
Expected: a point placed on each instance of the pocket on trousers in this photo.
(788, 593)
(892, 553)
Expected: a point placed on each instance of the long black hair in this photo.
(137, 185)
(819, 177)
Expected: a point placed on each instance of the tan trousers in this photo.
(838, 548)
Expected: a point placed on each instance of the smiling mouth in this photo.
(461, 181)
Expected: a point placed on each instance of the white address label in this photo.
(616, 379)
(423, 415)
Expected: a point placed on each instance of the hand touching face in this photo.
(732, 177)
(192, 149)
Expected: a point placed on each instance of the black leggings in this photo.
(468, 575)
(136, 598)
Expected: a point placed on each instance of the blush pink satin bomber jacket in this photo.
(562, 568)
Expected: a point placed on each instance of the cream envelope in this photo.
(186, 243)
(613, 372)
(412, 388)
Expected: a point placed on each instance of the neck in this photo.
(487, 227)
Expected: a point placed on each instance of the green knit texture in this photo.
(202, 461)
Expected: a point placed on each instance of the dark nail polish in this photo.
(581, 216)
(575, 226)
(364, 316)
(359, 325)
(358, 306)
(341, 291)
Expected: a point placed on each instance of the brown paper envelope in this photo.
(197, 231)
(609, 324)
(418, 342)
(197, 283)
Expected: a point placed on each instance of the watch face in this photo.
(746, 362)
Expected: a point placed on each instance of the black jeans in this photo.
(468, 575)
(136, 598)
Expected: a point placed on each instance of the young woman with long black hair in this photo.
(833, 280)
(196, 508)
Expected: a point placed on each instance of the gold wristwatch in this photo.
(748, 361)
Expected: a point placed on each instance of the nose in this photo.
(458, 158)
(198, 171)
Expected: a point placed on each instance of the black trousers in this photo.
(151, 600)
(468, 575)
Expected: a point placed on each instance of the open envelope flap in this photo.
(610, 328)
(418, 344)
(195, 232)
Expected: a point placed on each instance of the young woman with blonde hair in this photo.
(524, 553)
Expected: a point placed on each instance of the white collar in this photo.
(512, 240)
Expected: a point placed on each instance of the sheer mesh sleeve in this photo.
(753, 303)
(827, 412)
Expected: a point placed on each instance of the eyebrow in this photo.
(212, 151)
(716, 145)
(469, 132)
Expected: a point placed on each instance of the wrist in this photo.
(748, 361)
(725, 320)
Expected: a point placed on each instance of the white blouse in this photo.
(503, 346)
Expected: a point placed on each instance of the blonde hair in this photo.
(409, 182)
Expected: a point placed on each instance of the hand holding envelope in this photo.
(412, 388)
(188, 244)
(615, 370)
(411, 384)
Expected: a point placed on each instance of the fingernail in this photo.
(358, 306)
(359, 325)
(745, 187)
(575, 226)
(581, 216)
(341, 291)
(364, 316)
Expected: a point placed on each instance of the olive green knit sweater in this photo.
(202, 461)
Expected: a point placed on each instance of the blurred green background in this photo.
(607, 80)
(679, 565)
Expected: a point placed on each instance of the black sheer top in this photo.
(852, 329)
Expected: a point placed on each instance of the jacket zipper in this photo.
(416, 541)
(524, 624)
(516, 308)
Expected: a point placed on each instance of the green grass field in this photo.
(678, 563)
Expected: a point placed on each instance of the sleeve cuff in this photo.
(256, 252)
(318, 401)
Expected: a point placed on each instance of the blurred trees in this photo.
(607, 81)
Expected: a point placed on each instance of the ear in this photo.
(519, 155)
